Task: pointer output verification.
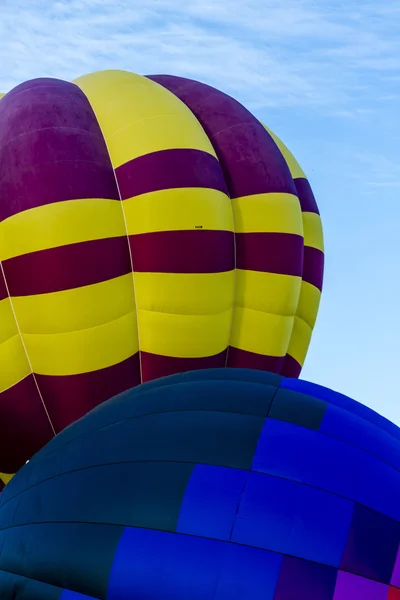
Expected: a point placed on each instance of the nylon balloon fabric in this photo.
(148, 226)
(209, 485)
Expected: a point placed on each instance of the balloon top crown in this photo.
(148, 225)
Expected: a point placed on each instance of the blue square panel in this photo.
(292, 518)
(372, 545)
(155, 564)
(211, 501)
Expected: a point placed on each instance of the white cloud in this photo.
(292, 53)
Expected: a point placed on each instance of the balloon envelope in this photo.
(148, 226)
(213, 485)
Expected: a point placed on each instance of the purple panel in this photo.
(306, 196)
(69, 397)
(291, 368)
(168, 169)
(24, 426)
(66, 267)
(352, 587)
(372, 545)
(251, 160)
(280, 253)
(155, 366)
(313, 269)
(395, 580)
(51, 148)
(195, 251)
(303, 580)
(250, 360)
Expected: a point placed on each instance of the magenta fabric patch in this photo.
(353, 587)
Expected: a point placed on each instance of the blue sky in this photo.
(325, 76)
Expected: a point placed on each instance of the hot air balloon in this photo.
(148, 226)
(209, 485)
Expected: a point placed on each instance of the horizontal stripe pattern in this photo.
(270, 252)
(67, 267)
(252, 174)
(168, 169)
(197, 251)
(60, 224)
(313, 270)
(178, 217)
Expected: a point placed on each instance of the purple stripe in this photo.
(270, 253)
(291, 368)
(313, 270)
(243, 359)
(51, 148)
(155, 366)
(66, 267)
(306, 196)
(168, 169)
(251, 161)
(70, 397)
(195, 251)
(3, 289)
(24, 426)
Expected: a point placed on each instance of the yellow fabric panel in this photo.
(137, 116)
(185, 293)
(178, 209)
(294, 167)
(84, 350)
(309, 301)
(8, 326)
(6, 477)
(300, 340)
(75, 309)
(184, 336)
(267, 292)
(313, 235)
(274, 212)
(13, 357)
(262, 333)
(59, 224)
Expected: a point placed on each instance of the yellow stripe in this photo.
(60, 224)
(6, 477)
(178, 209)
(309, 301)
(8, 326)
(294, 167)
(138, 116)
(185, 293)
(262, 333)
(267, 292)
(184, 336)
(313, 235)
(274, 212)
(85, 350)
(12, 355)
(76, 309)
(300, 340)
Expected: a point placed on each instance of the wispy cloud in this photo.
(290, 53)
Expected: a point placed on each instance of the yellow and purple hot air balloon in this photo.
(148, 226)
